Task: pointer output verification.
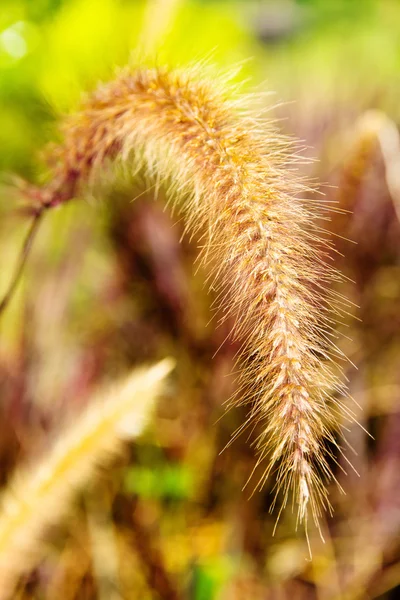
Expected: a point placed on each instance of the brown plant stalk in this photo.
(263, 241)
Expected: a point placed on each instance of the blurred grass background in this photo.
(108, 286)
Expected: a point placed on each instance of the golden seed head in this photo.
(261, 242)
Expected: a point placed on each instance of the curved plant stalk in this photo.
(38, 498)
(263, 242)
(22, 259)
(377, 123)
(373, 130)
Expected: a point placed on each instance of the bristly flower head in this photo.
(39, 497)
(261, 239)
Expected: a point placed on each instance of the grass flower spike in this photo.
(38, 498)
(260, 238)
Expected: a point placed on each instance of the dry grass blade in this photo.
(38, 498)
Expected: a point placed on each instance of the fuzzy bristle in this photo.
(260, 238)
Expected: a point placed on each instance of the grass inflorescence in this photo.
(37, 498)
(259, 235)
